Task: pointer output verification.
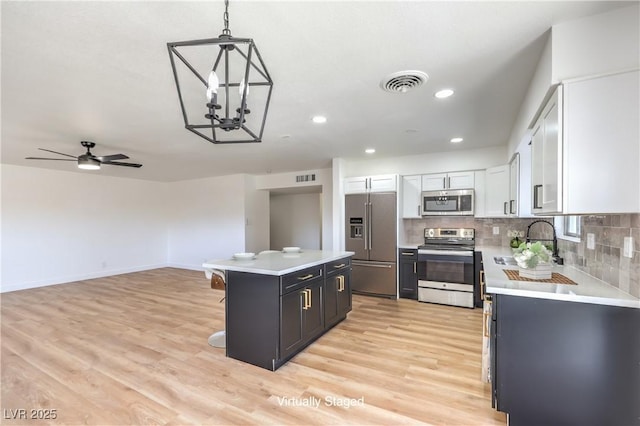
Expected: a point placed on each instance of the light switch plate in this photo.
(591, 241)
(628, 247)
(496, 230)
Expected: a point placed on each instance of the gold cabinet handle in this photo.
(404, 253)
(309, 290)
(340, 283)
(305, 303)
(482, 276)
(305, 277)
(342, 265)
(486, 324)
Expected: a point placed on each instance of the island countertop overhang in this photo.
(277, 263)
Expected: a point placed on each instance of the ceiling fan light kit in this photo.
(214, 78)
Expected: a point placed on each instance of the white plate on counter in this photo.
(244, 256)
(291, 249)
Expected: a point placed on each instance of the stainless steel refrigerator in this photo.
(371, 233)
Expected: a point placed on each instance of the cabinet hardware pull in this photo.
(448, 182)
(340, 283)
(444, 182)
(419, 210)
(407, 253)
(535, 196)
(342, 265)
(512, 210)
(305, 303)
(305, 277)
(414, 268)
(486, 324)
(504, 208)
(309, 290)
(482, 276)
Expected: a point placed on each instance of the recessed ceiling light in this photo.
(444, 93)
(456, 140)
(369, 150)
(411, 131)
(319, 119)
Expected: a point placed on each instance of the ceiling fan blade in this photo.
(117, 163)
(109, 158)
(41, 158)
(56, 152)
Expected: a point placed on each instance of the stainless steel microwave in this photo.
(455, 202)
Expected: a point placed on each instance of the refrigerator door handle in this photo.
(370, 227)
(366, 228)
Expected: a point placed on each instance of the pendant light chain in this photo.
(226, 30)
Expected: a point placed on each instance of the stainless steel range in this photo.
(445, 266)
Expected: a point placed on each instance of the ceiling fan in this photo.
(88, 161)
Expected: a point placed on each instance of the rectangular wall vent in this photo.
(306, 178)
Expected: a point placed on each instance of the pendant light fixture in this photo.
(214, 78)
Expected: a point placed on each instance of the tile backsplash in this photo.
(605, 261)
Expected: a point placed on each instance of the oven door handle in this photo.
(468, 253)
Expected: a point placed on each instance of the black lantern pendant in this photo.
(217, 107)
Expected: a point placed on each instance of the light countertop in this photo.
(587, 289)
(277, 263)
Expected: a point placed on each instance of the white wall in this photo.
(296, 220)
(470, 159)
(590, 46)
(206, 220)
(324, 178)
(62, 226)
(599, 44)
(256, 216)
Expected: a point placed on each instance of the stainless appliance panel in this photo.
(356, 225)
(382, 227)
(374, 278)
(454, 298)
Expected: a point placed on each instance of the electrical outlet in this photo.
(628, 247)
(591, 241)
(496, 230)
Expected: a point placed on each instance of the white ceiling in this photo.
(100, 71)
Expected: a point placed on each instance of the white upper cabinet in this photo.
(514, 185)
(497, 191)
(453, 180)
(586, 148)
(359, 185)
(546, 157)
(411, 197)
(602, 145)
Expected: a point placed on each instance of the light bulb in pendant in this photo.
(212, 85)
(241, 88)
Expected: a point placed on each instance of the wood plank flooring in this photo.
(132, 349)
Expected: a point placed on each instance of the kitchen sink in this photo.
(505, 260)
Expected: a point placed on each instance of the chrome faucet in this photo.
(556, 257)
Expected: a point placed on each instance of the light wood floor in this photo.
(132, 349)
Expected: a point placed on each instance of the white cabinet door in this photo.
(546, 158)
(356, 185)
(383, 183)
(411, 199)
(514, 185)
(361, 185)
(497, 191)
(602, 145)
(552, 155)
(434, 182)
(460, 180)
(453, 180)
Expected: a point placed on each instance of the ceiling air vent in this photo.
(306, 178)
(403, 81)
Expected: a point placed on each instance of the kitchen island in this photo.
(278, 303)
(561, 353)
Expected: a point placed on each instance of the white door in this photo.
(514, 184)
(497, 191)
(552, 155)
(434, 182)
(356, 185)
(460, 180)
(411, 189)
